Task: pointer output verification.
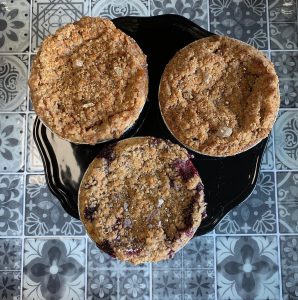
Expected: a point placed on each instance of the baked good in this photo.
(89, 81)
(219, 96)
(141, 200)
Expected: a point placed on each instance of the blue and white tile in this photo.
(243, 20)
(257, 214)
(102, 285)
(198, 253)
(34, 162)
(286, 64)
(115, 8)
(54, 269)
(288, 93)
(10, 254)
(282, 11)
(134, 284)
(14, 26)
(48, 16)
(199, 284)
(289, 266)
(12, 132)
(287, 194)
(10, 285)
(286, 140)
(172, 263)
(11, 204)
(247, 268)
(44, 214)
(13, 82)
(267, 163)
(283, 36)
(167, 284)
(194, 10)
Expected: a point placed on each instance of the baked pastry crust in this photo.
(219, 96)
(141, 200)
(89, 81)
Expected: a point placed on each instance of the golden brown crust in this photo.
(89, 81)
(219, 96)
(141, 200)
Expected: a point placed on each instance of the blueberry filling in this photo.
(89, 212)
(185, 168)
(108, 153)
(106, 247)
(133, 252)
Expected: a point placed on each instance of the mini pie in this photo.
(141, 200)
(89, 81)
(219, 96)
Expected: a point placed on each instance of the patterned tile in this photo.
(14, 26)
(287, 194)
(256, 214)
(289, 266)
(268, 157)
(10, 254)
(194, 10)
(13, 82)
(54, 269)
(286, 140)
(282, 11)
(198, 253)
(34, 162)
(12, 127)
(49, 15)
(199, 284)
(244, 20)
(247, 268)
(173, 263)
(134, 284)
(286, 64)
(11, 204)
(102, 285)
(44, 214)
(114, 9)
(167, 284)
(10, 285)
(283, 36)
(288, 93)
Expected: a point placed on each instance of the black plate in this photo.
(228, 181)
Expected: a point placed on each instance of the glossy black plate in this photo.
(228, 181)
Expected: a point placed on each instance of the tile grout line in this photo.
(208, 16)
(86, 267)
(214, 264)
(150, 282)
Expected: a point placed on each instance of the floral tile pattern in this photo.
(167, 284)
(173, 263)
(13, 82)
(10, 254)
(198, 253)
(199, 284)
(114, 9)
(256, 214)
(283, 36)
(287, 193)
(288, 93)
(247, 268)
(12, 131)
(48, 16)
(54, 269)
(286, 64)
(195, 10)
(11, 204)
(34, 162)
(44, 214)
(10, 285)
(289, 266)
(286, 140)
(282, 11)
(14, 26)
(244, 20)
(268, 157)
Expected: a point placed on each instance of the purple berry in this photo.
(185, 168)
(89, 212)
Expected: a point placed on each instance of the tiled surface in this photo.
(45, 254)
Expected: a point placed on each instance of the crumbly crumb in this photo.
(234, 96)
(151, 217)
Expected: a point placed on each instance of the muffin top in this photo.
(89, 81)
(219, 96)
(141, 200)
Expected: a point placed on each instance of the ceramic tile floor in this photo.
(45, 254)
